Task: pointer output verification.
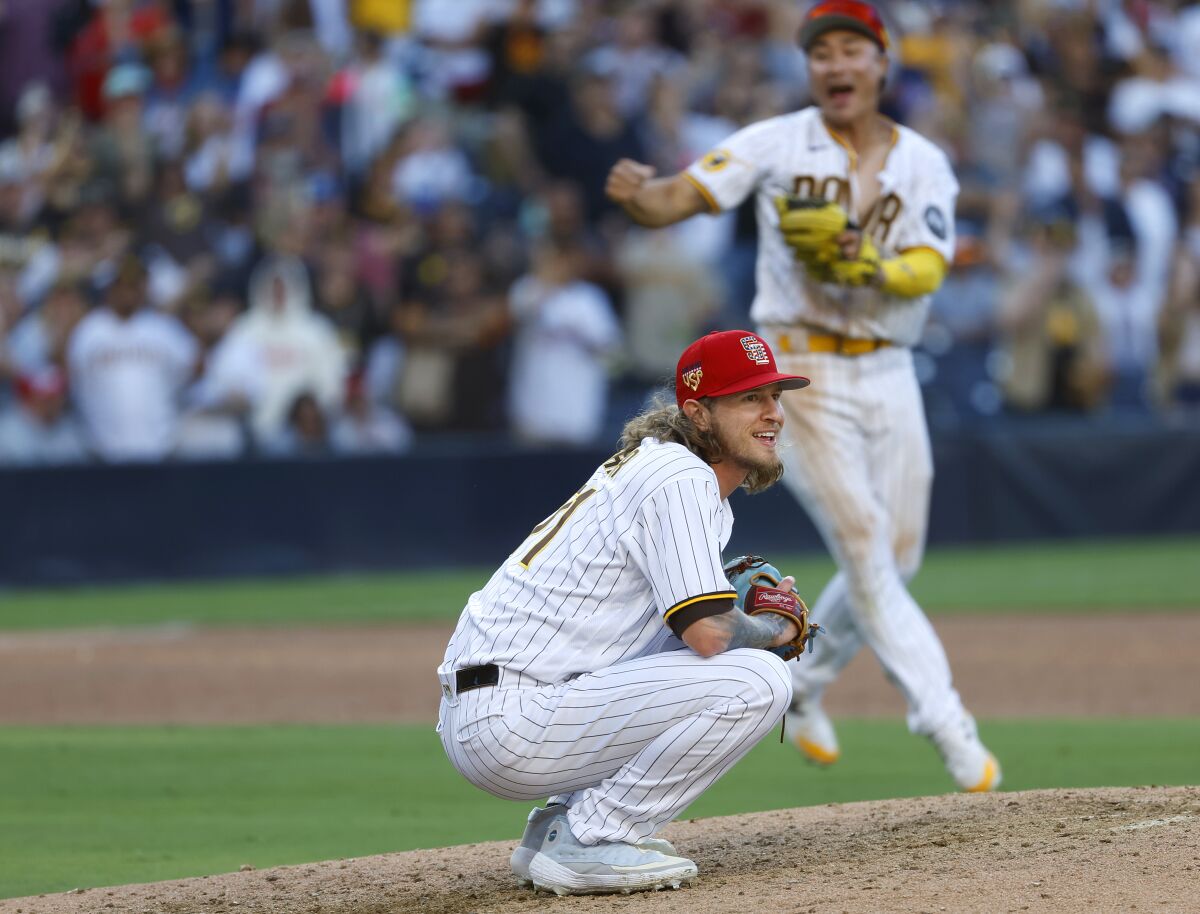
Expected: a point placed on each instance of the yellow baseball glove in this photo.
(862, 271)
(810, 225)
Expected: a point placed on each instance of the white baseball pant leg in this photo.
(627, 747)
(859, 460)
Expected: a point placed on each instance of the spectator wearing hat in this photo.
(128, 365)
(38, 428)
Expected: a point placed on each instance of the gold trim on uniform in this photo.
(924, 247)
(704, 192)
(723, 595)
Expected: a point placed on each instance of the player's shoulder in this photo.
(786, 124)
(154, 320)
(919, 148)
(661, 463)
(96, 322)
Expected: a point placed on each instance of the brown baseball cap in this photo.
(728, 362)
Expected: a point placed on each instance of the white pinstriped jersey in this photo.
(796, 153)
(594, 583)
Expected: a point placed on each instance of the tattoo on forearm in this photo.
(750, 631)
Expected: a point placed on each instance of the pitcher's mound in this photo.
(1048, 850)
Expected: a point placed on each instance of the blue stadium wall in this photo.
(461, 503)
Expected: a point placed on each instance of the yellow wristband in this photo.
(914, 273)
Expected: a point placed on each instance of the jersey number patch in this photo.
(556, 520)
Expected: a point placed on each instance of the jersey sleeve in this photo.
(678, 545)
(727, 175)
(928, 216)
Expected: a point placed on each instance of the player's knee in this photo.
(766, 683)
(857, 537)
(907, 564)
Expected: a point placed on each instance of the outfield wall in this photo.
(469, 502)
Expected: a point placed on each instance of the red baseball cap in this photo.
(852, 15)
(728, 362)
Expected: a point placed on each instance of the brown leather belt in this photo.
(829, 342)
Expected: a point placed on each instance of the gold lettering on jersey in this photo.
(880, 219)
(831, 187)
(618, 460)
(692, 377)
(558, 518)
(882, 216)
(716, 160)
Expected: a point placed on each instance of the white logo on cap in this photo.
(756, 350)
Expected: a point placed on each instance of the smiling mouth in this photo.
(840, 93)
(767, 438)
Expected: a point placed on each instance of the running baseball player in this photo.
(605, 664)
(856, 226)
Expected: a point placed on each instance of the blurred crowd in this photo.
(311, 227)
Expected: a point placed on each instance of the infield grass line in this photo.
(93, 806)
(1066, 577)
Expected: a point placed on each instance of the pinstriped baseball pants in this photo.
(857, 456)
(627, 747)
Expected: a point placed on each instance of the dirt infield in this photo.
(1043, 851)
(1051, 666)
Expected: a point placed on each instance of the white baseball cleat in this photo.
(565, 867)
(968, 760)
(811, 731)
(535, 832)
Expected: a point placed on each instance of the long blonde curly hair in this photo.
(664, 420)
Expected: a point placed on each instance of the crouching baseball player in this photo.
(606, 664)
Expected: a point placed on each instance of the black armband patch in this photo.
(693, 610)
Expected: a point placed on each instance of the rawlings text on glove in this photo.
(755, 581)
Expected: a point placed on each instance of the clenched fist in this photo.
(626, 179)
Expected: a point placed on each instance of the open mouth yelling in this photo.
(840, 93)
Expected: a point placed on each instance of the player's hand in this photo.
(848, 243)
(627, 178)
(859, 264)
(788, 584)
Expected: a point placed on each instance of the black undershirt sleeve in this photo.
(681, 619)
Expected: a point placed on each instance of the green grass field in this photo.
(89, 806)
(1064, 577)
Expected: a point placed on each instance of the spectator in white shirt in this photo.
(565, 330)
(128, 365)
